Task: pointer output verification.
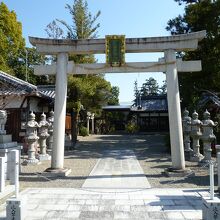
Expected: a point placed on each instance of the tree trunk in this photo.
(74, 129)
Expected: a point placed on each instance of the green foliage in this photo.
(84, 24)
(163, 88)
(15, 59)
(53, 30)
(114, 116)
(83, 131)
(202, 15)
(187, 1)
(92, 91)
(131, 127)
(23, 67)
(150, 87)
(113, 97)
(12, 43)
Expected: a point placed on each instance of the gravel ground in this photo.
(149, 149)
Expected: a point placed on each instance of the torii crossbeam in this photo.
(170, 65)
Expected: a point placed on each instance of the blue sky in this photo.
(140, 18)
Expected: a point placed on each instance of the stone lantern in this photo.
(43, 135)
(196, 135)
(93, 124)
(50, 120)
(207, 137)
(3, 119)
(186, 132)
(31, 138)
(88, 118)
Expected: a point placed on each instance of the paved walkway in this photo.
(115, 189)
(118, 169)
(63, 203)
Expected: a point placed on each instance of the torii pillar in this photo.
(57, 162)
(175, 120)
(60, 111)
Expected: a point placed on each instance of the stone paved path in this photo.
(63, 203)
(118, 169)
(115, 189)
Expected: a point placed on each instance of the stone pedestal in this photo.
(207, 152)
(43, 153)
(31, 160)
(211, 209)
(171, 172)
(195, 156)
(42, 157)
(208, 136)
(196, 135)
(43, 135)
(15, 209)
(186, 122)
(50, 172)
(6, 145)
(31, 138)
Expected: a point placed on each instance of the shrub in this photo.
(131, 128)
(83, 131)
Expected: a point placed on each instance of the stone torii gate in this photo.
(62, 48)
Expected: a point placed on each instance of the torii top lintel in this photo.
(183, 42)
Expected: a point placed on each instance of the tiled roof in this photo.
(151, 104)
(208, 96)
(47, 90)
(12, 86)
(117, 107)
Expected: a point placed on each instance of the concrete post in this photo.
(14, 174)
(88, 118)
(218, 163)
(60, 112)
(175, 122)
(93, 123)
(2, 174)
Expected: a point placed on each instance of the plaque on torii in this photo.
(169, 64)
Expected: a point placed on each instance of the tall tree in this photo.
(113, 96)
(12, 43)
(137, 94)
(150, 87)
(163, 88)
(53, 30)
(89, 91)
(199, 15)
(15, 59)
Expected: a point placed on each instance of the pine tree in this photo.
(199, 15)
(150, 87)
(91, 91)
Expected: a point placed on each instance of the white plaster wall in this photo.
(34, 105)
(14, 102)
